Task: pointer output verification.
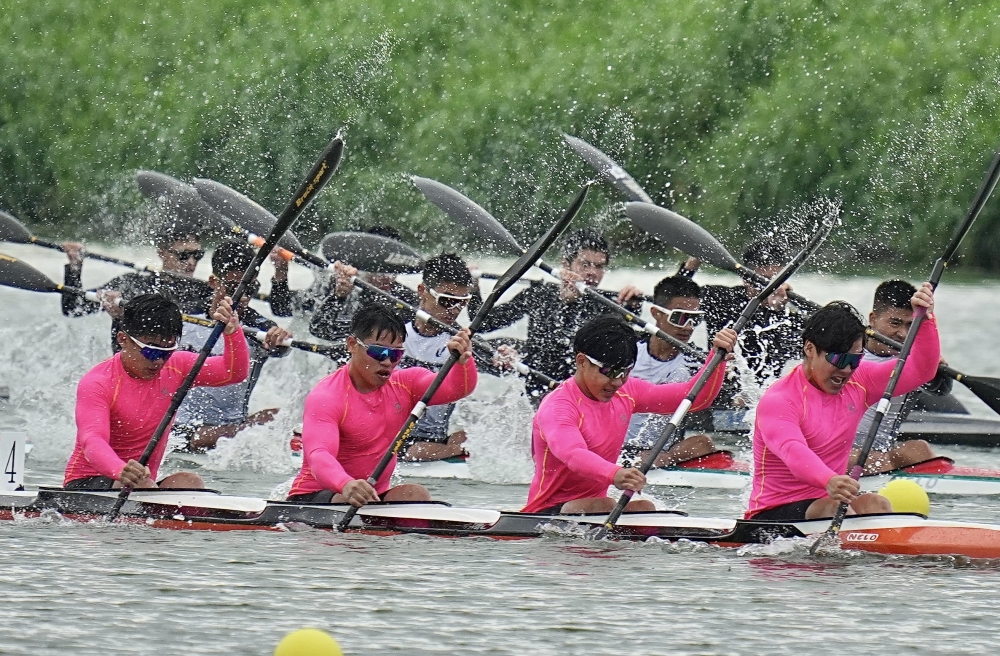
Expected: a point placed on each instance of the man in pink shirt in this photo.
(579, 429)
(806, 422)
(353, 415)
(120, 402)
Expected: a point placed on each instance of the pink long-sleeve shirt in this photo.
(576, 440)
(345, 433)
(116, 414)
(803, 436)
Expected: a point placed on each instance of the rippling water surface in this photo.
(93, 588)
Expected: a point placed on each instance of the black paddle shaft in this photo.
(717, 357)
(985, 190)
(318, 176)
(512, 275)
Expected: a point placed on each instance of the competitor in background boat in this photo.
(892, 317)
(677, 311)
(579, 429)
(120, 402)
(332, 319)
(178, 245)
(353, 415)
(771, 338)
(210, 413)
(806, 421)
(556, 312)
(445, 291)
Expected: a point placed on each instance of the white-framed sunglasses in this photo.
(682, 318)
(610, 371)
(154, 353)
(449, 301)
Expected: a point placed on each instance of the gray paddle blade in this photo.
(15, 273)
(13, 230)
(681, 233)
(609, 168)
(468, 213)
(182, 200)
(246, 213)
(372, 253)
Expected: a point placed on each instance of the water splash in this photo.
(499, 434)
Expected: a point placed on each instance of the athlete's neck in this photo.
(425, 328)
(662, 350)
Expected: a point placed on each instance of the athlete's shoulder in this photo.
(101, 375)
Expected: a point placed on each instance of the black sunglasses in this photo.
(845, 360)
(196, 253)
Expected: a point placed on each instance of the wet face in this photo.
(367, 373)
(135, 363)
(676, 303)
(892, 322)
(779, 298)
(226, 284)
(821, 373)
(182, 256)
(589, 265)
(593, 383)
(443, 308)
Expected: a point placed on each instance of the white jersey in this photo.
(645, 428)
(430, 352)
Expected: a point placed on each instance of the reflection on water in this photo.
(93, 588)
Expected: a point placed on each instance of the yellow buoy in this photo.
(308, 642)
(906, 496)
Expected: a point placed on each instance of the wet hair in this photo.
(377, 322)
(765, 252)
(607, 339)
(232, 255)
(384, 231)
(165, 234)
(834, 327)
(152, 315)
(893, 294)
(585, 239)
(447, 267)
(673, 287)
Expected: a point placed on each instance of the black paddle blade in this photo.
(17, 274)
(246, 213)
(534, 252)
(683, 234)
(468, 213)
(372, 253)
(609, 168)
(13, 230)
(987, 389)
(182, 200)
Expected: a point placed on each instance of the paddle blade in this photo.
(372, 253)
(17, 274)
(987, 389)
(681, 233)
(246, 213)
(609, 168)
(536, 250)
(13, 230)
(468, 213)
(182, 200)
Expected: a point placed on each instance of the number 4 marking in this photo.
(9, 467)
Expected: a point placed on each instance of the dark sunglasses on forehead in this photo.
(379, 353)
(845, 360)
(609, 370)
(196, 253)
(154, 353)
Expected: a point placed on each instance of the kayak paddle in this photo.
(483, 224)
(516, 270)
(183, 200)
(372, 253)
(717, 358)
(609, 168)
(318, 176)
(243, 211)
(989, 183)
(333, 351)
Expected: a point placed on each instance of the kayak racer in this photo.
(353, 415)
(806, 421)
(120, 402)
(578, 431)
